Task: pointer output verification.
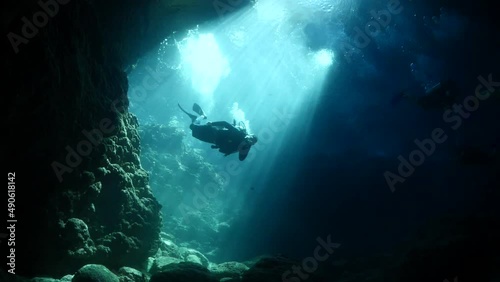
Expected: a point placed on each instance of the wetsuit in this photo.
(223, 135)
(229, 139)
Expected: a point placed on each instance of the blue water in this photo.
(316, 82)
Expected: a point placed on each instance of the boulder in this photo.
(95, 273)
(184, 272)
(160, 263)
(190, 254)
(67, 278)
(230, 269)
(129, 274)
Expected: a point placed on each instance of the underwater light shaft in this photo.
(324, 57)
(273, 85)
(258, 60)
(252, 63)
(255, 66)
(202, 62)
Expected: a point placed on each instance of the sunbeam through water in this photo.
(253, 67)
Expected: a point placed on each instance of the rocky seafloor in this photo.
(446, 250)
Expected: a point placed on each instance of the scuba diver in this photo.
(440, 96)
(228, 138)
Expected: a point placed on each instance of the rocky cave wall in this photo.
(82, 195)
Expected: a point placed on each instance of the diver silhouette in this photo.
(228, 138)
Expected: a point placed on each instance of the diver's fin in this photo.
(193, 117)
(197, 109)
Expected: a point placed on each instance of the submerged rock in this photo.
(95, 273)
(191, 255)
(129, 274)
(76, 233)
(230, 269)
(67, 278)
(160, 263)
(168, 248)
(43, 279)
(193, 259)
(184, 272)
